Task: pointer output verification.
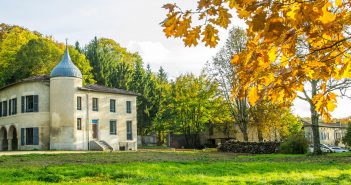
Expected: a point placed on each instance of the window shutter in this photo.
(22, 136)
(36, 103)
(5, 108)
(15, 105)
(0, 109)
(10, 111)
(36, 136)
(22, 104)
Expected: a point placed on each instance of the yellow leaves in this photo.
(223, 17)
(210, 36)
(272, 54)
(338, 2)
(327, 16)
(258, 21)
(192, 37)
(235, 59)
(324, 104)
(170, 24)
(253, 96)
(293, 11)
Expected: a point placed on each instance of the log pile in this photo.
(249, 147)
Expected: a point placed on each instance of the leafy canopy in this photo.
(289, 42)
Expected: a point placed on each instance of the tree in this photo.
(11, 43)
(163, 118)
(347, 138)
(195, 104)
(224, 73)
(112, 64)
(25, 53)
(274, 122)
(289, 43)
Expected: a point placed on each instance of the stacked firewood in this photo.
(249, 147)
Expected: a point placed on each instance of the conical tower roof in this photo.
(66, 68)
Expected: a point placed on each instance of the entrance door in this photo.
(95, 129)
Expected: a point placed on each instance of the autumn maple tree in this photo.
(289, 43)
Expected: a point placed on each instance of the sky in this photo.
(135, 24)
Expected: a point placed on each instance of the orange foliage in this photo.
(289, 42)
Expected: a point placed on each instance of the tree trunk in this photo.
(314, 120)
(246, 136)
(259, 134)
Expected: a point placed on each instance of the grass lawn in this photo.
(166, 167)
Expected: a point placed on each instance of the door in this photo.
(95, 124)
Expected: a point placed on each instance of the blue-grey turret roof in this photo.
(66, 68)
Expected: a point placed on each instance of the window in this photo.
(4, 108)
(112, 105)
(30, 136)
(79, 103)
(129, 107)
(113, 127)
(30, 103)
(95, 104)
(79, 123)
(13, 106)
(129, 130)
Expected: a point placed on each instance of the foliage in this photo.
(347, 138)
(221, 70)
(274, 121)
(24, 53)
(11, 43)
(277, 31)
(167, 167)
(295, 144)
(195, 103)
(288, 44)
(112, 64)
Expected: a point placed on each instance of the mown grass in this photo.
(165, 167)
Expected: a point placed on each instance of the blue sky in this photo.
(133, 23)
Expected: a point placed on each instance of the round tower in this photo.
(65, 79)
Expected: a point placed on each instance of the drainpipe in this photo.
(87, 119)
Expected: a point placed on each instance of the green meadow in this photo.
(169, 167)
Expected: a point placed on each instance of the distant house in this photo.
(57, 112)
(329, 133)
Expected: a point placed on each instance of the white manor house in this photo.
(57, 112)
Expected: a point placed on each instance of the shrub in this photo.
(249, 147)
(295, 144)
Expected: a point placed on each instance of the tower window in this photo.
(95, 104)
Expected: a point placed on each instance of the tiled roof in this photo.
(29, 79)
(328, 125)
(100, 88)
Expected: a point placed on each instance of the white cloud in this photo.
(151, 52)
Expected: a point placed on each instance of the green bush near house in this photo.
(295, 144)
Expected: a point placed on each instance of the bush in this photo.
(249, 147)
(295, 144)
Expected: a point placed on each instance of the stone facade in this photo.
(59, 113)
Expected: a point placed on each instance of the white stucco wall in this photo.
(28, 120)
(103, 115)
